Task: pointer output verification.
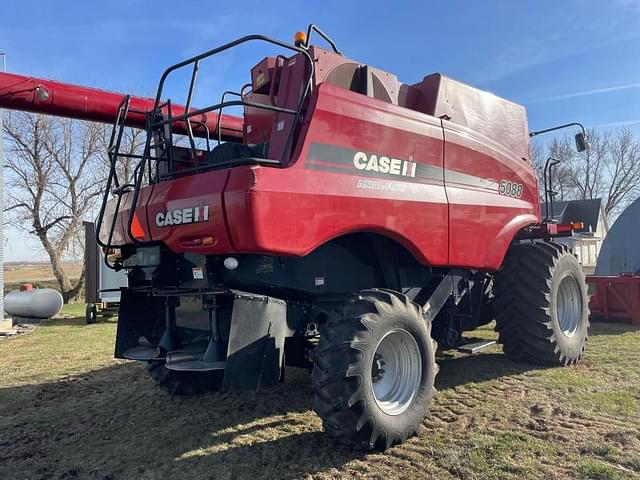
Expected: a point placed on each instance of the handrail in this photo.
(218, 106)
(153, 122)
(113, 150)
(226, 92)
(329, 40)
(234, 162)
(549, 193)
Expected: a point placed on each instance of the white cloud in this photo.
(585, 93)
(622, 123)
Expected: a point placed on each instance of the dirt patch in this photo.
(17, 330)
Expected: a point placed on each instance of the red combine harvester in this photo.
(345, 224)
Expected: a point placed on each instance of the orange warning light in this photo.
(300, 38)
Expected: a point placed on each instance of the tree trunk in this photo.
(68, 291)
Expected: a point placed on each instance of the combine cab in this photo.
(349, 223)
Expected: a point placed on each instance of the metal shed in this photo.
(102, 284)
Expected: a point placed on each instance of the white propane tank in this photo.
(37, 303)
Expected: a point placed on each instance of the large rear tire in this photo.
(374, 370)
(542, 312)
(184, 383)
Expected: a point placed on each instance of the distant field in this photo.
(39, 274)
(35, 272)
(69, 410)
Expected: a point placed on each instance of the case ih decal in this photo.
(382, 164)
(337, 159)
(181, 216)
(333, 158)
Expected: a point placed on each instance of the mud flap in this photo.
(139, 315)
(255, 354)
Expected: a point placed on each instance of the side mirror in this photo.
(581, 142)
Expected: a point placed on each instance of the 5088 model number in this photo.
(510, 189)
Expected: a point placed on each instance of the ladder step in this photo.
(476, 346)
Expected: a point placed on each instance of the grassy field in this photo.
(68, 410)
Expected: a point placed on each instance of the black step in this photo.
(143, 353)
(476, 346)
(191, 361)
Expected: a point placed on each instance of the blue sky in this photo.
(565, 61)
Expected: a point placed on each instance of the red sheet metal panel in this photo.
(495, 118)
(616, 297)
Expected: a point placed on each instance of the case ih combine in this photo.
(348, 223)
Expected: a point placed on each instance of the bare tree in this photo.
(610, 169)
(624, 171)
(54, 174)
(587, 170)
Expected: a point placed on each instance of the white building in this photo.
(585, 243)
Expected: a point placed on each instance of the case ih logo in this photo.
(183, 216)
(334, 158)
(337, 159)
(382, 164)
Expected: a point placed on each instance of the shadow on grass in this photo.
(601, 327)
(115, 423)
(74, 321)
(477, 368)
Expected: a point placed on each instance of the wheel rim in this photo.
(396, 371)
(569, 305)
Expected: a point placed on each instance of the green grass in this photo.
(73, 309)
(597, 470)
(69, 410)
(612, 359)
(499, 456)
(59, 348)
